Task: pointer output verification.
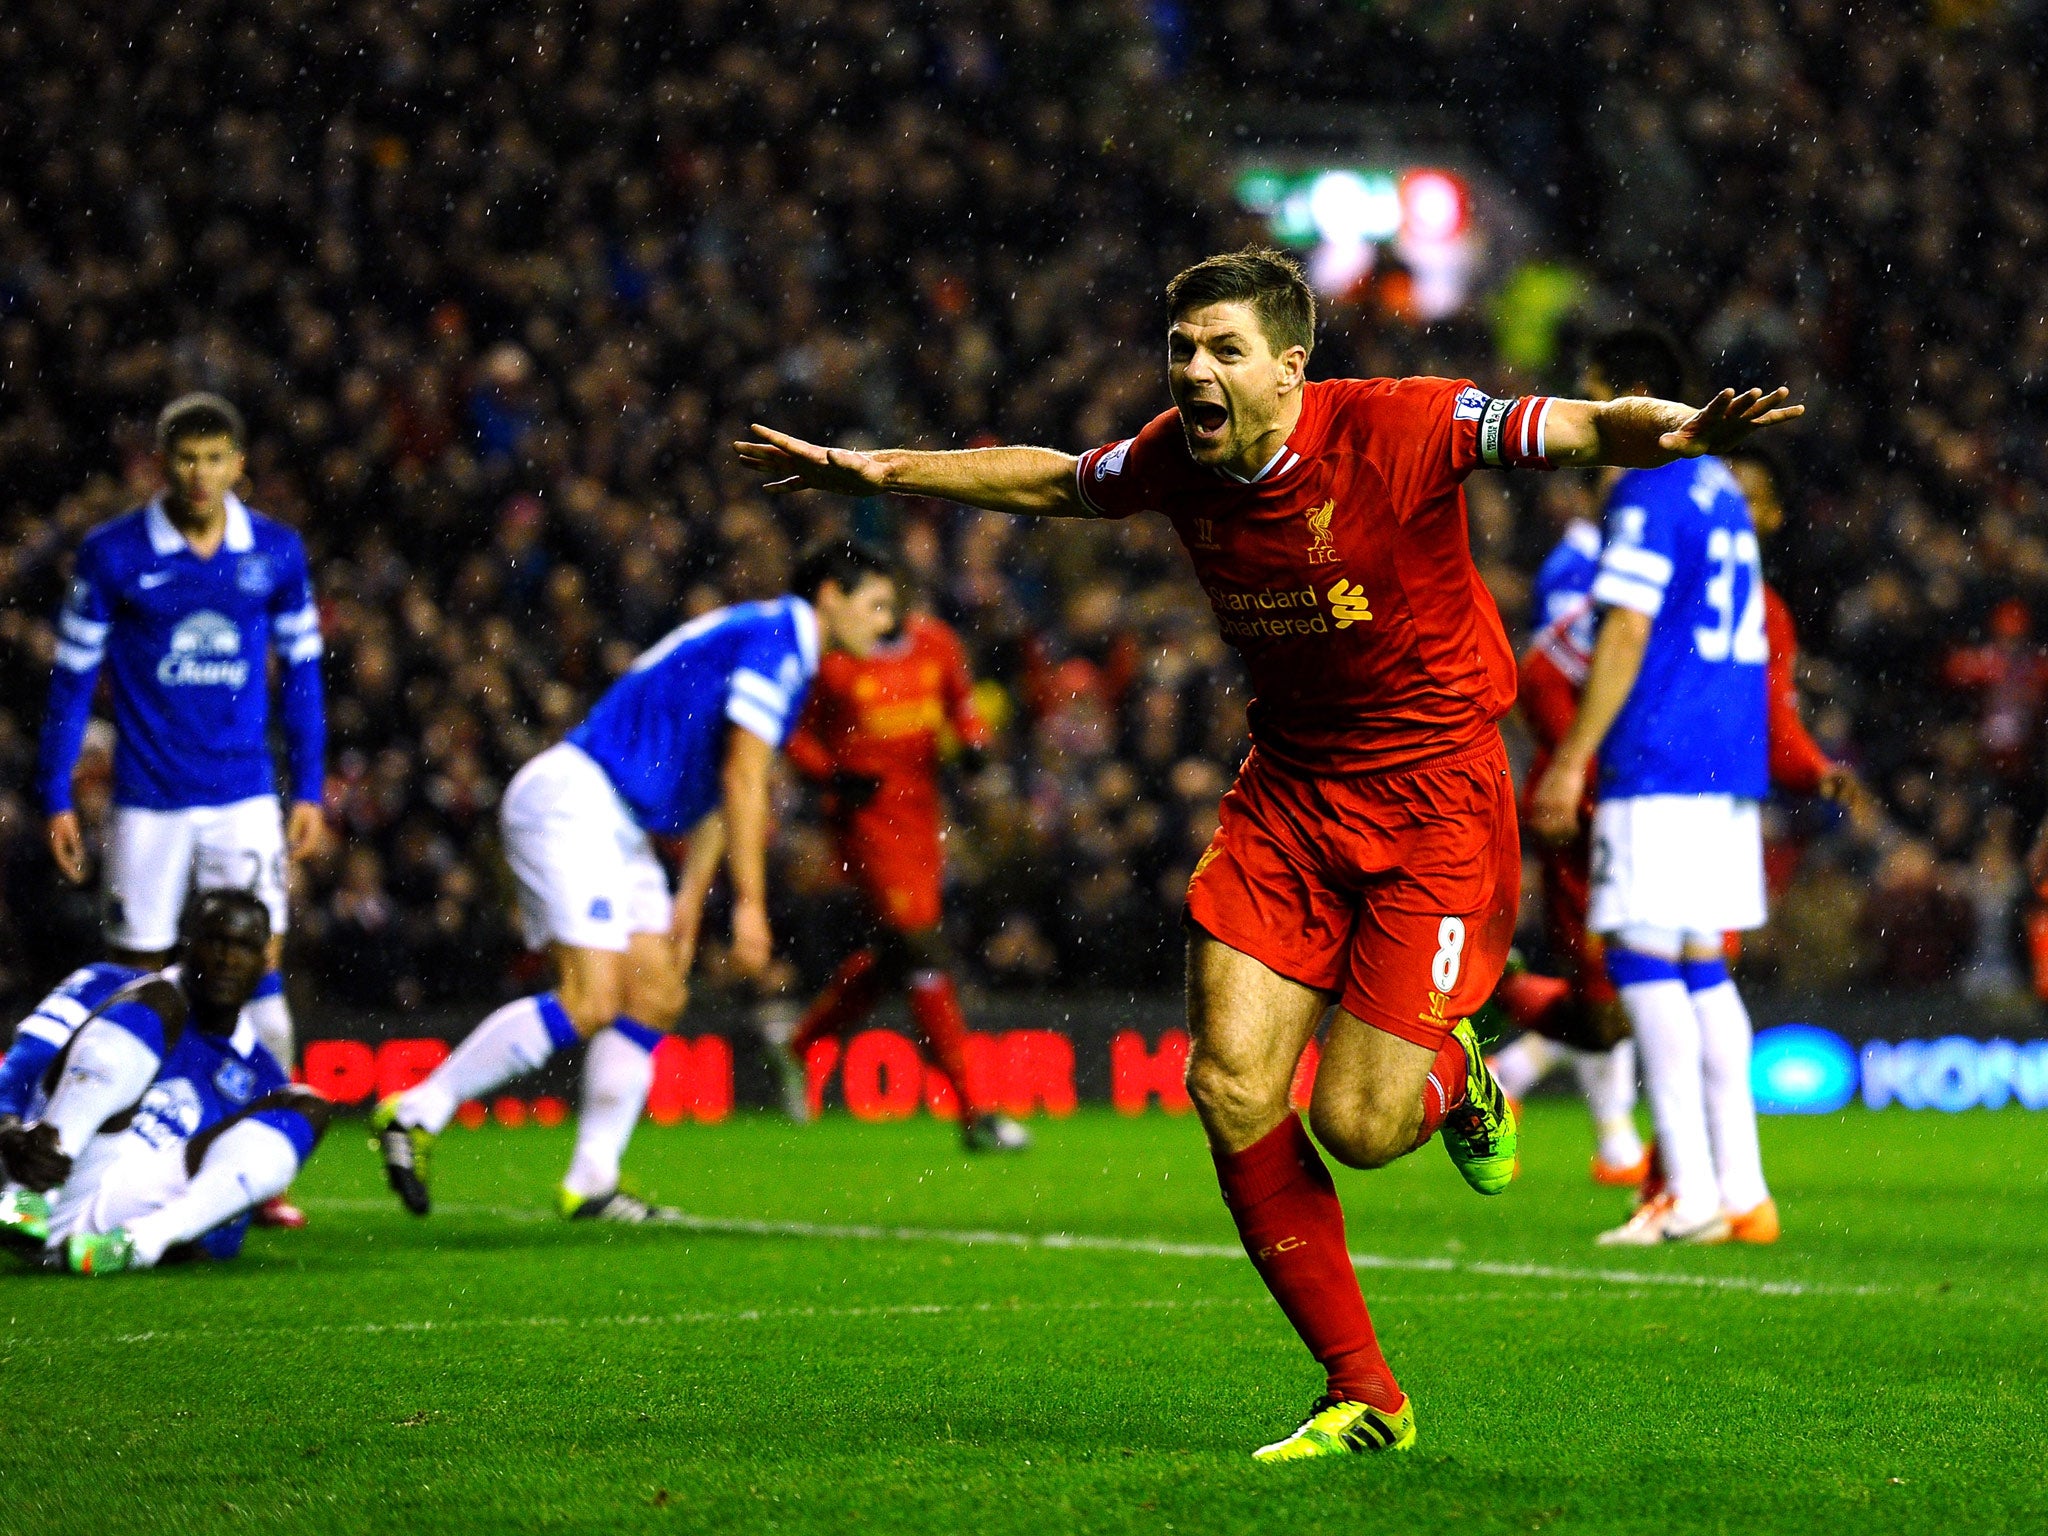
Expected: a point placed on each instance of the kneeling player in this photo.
(167, 1121)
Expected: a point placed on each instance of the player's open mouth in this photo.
(1208, 418)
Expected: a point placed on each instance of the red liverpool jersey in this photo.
(885, 717)
(1342, 572)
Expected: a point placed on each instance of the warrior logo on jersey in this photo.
(206, 651)
(169, 1112)
(1205, 533)
(1321, 550)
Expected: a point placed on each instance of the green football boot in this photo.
(24, 1220)
(406, 1151)
(100, 1253)
(1480, 1132)
(1343, 1429)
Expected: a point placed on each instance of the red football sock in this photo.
(1287, 1212)
(935, 1005)
(848, 998)
(1443, 1090)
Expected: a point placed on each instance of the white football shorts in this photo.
(157, 859)
(586, 873)
(1691, 863)
(116, 1179)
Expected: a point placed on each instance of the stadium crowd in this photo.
(497, 286)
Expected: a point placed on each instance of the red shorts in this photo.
(1395, 892)
(897, 862)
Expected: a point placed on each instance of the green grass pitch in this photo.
(493, 1368)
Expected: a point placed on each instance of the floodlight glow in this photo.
(1349, 208)
(1432, 206)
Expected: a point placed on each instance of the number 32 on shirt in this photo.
(1737, 637)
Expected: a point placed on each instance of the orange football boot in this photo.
(1621, 1175)
(1758, 1225)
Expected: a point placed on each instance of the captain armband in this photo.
(1511, 432)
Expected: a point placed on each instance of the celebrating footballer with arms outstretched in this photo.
(1368, 855)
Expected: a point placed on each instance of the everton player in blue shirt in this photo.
(680, 745)
(167, 1120)
(182, 603)
(1675, 708)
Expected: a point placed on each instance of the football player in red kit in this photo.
(1367, 856)
(871, 737)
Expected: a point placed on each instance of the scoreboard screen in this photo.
(1348, 219)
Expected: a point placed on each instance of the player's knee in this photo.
(658, 1001)
(590, 1000)
(1358, 1136)
(1227, 1096)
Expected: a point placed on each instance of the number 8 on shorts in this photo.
(1450, 953)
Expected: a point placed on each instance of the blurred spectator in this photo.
(496, 285)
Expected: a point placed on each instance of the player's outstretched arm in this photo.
(1037, 482)
(1637, 432)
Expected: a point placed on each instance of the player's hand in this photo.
(1727, 419)
(1554, 809)
(753, 946)
(851, 791)
(67, 846)
(32, 1158)
(795, 465)
(305, 829)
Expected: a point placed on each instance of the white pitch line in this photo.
(1161, 1248)
(693, 1319)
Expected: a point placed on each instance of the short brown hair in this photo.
(1270, 281)
(199, 415)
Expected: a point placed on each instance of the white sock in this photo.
(1608, 1080)
(271, 1017)
(617, 1074)
(515, 1039)
(1668, 1041)
(1731, 1105)
(247, 1164)
(1520, 1066)
(107, 1070)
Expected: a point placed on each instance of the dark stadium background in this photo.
(497, 285)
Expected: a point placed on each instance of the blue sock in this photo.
(561, 1033)
(1704, 975)
(1631, 967)
(647, 1039)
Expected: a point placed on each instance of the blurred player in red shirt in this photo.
(872, 736)
(1367, 855)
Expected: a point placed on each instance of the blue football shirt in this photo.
(39, 1037)
(659, 731)
(186, 644)
(1680, 548)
